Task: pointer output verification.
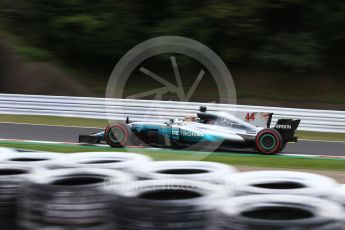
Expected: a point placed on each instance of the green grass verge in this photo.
(84, 122)
(321, 136)
(292, 162)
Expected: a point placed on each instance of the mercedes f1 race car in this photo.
(219, 129)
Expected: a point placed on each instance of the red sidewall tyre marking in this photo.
(277, 137)
(111, 143)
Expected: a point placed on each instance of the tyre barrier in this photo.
(212, 172)
(12, 179)
(43, 159)
(106, 160)
(281, 182)
(75, 198)
(283, 212)
(70, 198)
(167, 205)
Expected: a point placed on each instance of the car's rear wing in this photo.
(287, 129)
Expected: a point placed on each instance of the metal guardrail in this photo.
(138, 110)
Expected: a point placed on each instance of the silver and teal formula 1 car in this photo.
(221, 130)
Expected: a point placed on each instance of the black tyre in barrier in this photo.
(167, 205)
(190, 170)
(106, 160)
(12, 179)
(280, 212)
(70, 197)
(281, 182)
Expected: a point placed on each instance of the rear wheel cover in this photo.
(116, 135)
(268, 141)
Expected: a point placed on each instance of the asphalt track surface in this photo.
(70, 134)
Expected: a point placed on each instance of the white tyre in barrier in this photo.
(106, 160)
(167, 204)
(30, 157)
(70, 198)
(12, 180)
(38, 226)
(281, 182)
(5, 151)
(280, 212)
(190, 170)
(337, 194)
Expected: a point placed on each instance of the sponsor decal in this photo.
(250, 117)
(265, 115)
(175, 132)
(283, 127)
(185, 133)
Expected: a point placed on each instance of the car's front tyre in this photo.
(269, 141)
(116, 135)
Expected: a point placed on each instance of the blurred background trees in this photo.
(302, 35)
(293, 36)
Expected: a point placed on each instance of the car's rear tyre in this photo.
(283, 147)
(116, 135)
(269, 141)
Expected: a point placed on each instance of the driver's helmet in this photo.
(210, 122)
(190, 119)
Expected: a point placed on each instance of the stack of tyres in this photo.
(280, 212)
(12, 178)
(123, 161)
(211, 172)
(70, 199)
(281, 182)
(167, 205)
